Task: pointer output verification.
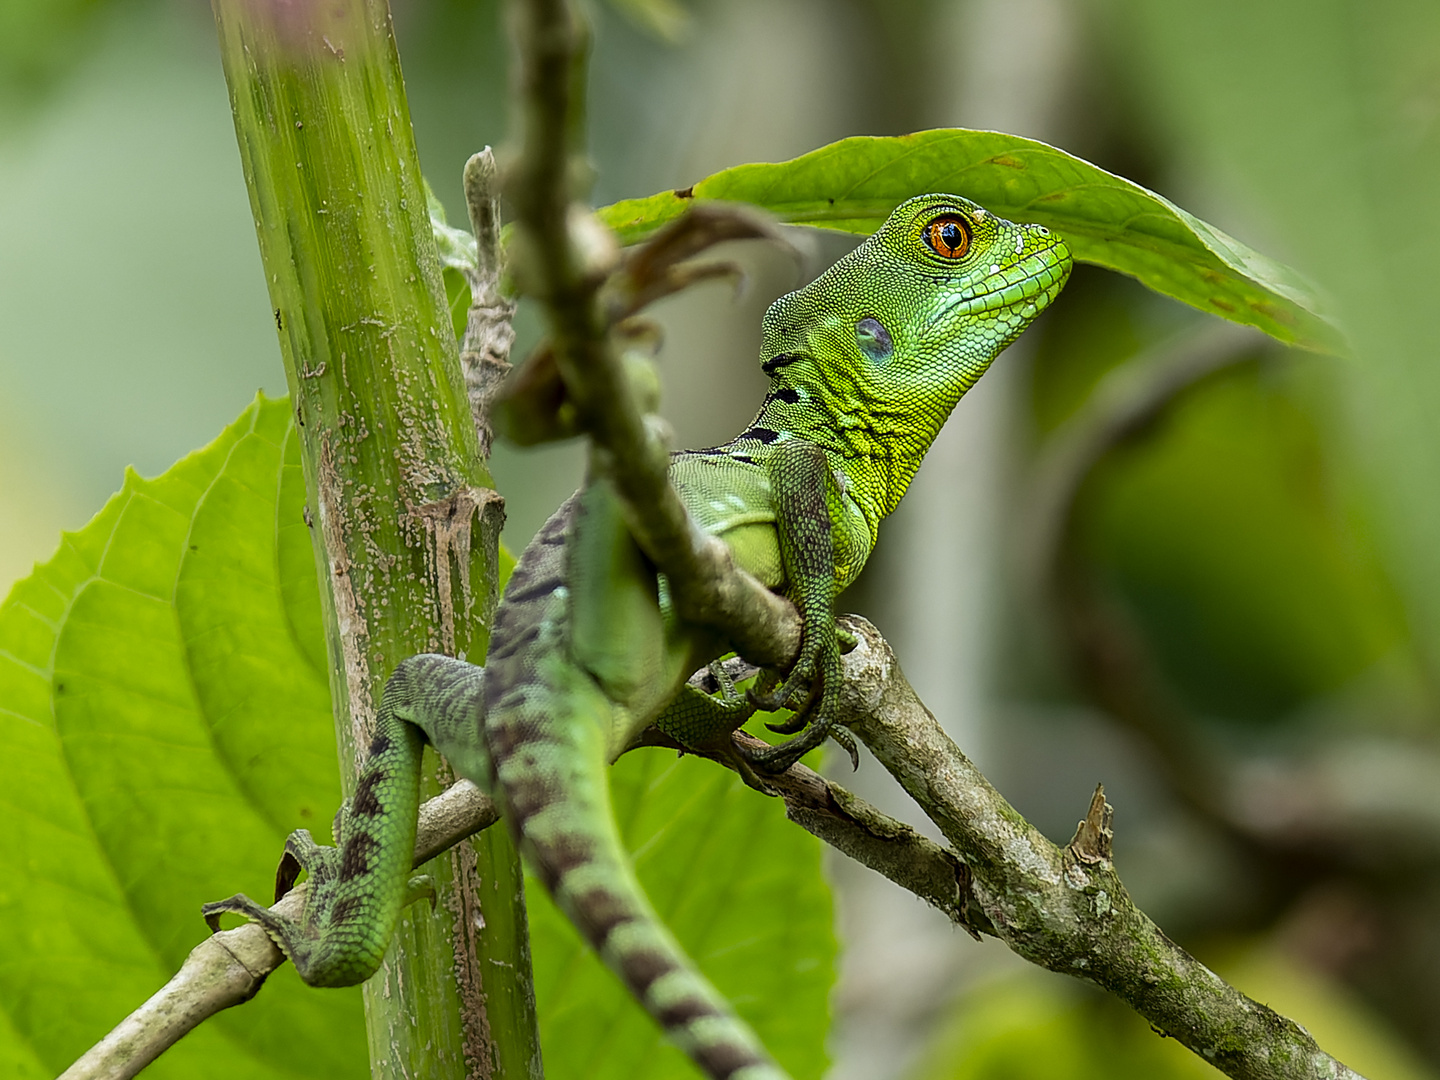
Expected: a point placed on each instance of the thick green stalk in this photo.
(404, 522)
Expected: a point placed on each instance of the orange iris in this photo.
(948, 236)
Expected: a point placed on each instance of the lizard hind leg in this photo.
(357, 888)
(547, 732)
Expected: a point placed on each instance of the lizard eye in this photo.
(948, 236)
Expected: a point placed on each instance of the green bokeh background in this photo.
(1272, 542)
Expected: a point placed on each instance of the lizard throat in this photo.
(875, 443)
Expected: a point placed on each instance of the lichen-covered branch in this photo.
(1062, 908)
(562, 256)
(1066, 909)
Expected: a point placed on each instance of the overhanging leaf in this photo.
(853, 184)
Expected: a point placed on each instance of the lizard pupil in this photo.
(948, 236)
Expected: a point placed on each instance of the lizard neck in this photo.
(875, 436)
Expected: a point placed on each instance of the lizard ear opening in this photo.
(873, 339)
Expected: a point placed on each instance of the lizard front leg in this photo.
(808, 502)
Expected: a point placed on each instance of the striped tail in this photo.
(546, 724)
(550, 762)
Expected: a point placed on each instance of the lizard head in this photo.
(918, 311)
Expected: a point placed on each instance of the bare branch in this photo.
(1066, 909)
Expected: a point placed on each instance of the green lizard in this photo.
(866, 363)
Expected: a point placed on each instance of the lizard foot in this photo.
(301, 853)
(774, 760)
(332, 942)
(817, 675)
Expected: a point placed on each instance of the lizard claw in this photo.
(847, 743)
(817, 674)
(798, 719)
(816, 668)
(776, 759)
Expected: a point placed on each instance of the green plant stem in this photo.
(404, 522)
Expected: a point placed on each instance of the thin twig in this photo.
(489, 325)
(562, 257)
(1107, 655)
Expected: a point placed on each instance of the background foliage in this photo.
(1269, 544)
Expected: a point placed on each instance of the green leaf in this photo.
(456, 247)
(165, 725)
(457, 298)
(853, 184)
(165, 710)
(743, 891)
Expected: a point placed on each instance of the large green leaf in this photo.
(163, 729)
(165, 714)
(853, 184)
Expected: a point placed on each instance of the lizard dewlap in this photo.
(866, 363)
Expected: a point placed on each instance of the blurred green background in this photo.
(1232, 617)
